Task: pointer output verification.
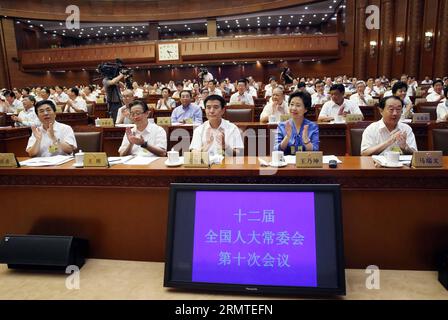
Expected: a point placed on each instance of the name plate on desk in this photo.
(421, 117)
(95, 159)
(188, 121)
(312, 159)
(427, 159)
(196, 160)
(284, 117)
(106, 122)
(351, 118)
(164, 121)
(8, 160)
(59, 109)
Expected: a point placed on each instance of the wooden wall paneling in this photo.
(374, 35)
(5, 80)
(441, 37)
(400, 21)
(360, 40)
(387, 35)
(427, 57)
(413, 43)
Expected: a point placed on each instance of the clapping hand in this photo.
(288, 129)
(305, 133)
(133, 139)
(37, 133)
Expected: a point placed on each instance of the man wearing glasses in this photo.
(145, 139)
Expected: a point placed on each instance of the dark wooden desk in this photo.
(393, 218)
(14, 140)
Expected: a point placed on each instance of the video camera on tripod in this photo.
(111, 70)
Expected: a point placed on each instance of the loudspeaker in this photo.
(42, 252)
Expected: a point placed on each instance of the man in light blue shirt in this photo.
(186, 110)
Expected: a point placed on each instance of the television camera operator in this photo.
(113, 73)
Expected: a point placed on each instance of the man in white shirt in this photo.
(75, 103)
(241, 96)
(52, 138)
(88, 94)
(388, 134)
(12, 104)
(123, 114)
(145, 139)
(138, 92)
(217, 136)
(277, 107)
(166, 102)
(337, 106)
(360, 98)
(212, 90)
(230, 85)
(442, 108)
(179, 89)
(60, 96)
(270, 87)
(320, 97)
(437, 95)
(45, 94)
(379, 88)
(28, 116)
(427, 81)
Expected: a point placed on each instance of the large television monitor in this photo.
(269, 239)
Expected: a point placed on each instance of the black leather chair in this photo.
(88, 141)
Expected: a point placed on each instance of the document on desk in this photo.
(46, 161)
(141, 161)
(325, 159)
(119, 160)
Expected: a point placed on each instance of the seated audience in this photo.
(320, 97)
(400, 89)
(298, 133)
(28, 116)
(123, 114)
(389, 133)
(277, 107)
(217, 136)
(60, 96)
(12, 104)
(360, 98)
(52, 138)
(75, 103)
(146, 138)
(212, 89)
(241, 96)
(437, 95)
(166, 102)
(337, 106)
(442, 108)
(186, 110)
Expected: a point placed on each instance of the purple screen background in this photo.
(217, 211)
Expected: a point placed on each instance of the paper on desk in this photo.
(139, 160)
(119, 160)
(325, 159)
(404, 159)
(46, 161)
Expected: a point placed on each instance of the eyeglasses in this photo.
(136, 114)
